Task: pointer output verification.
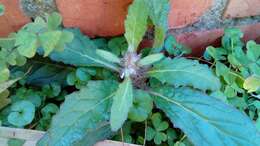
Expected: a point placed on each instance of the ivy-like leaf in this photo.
(158, 12)
(142, 106)
(81, 52)
(136, 24)
(49, 40)
(185, 72)
(252, 83)
(26, 43)
(122, 102)
(206, 120)
(54, 21)
(22, 113)
(81, 113)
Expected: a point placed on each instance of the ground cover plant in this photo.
(84, 90)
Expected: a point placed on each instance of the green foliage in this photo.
(81, 52)
(41, 33)
(22, 113)
(122, 102)
(252, 83)
(204, 119)
(158, 13)
(136, 24)
(2, 9)
(184, 72)
(15, 142)
(151, 59)
(174, 48)
(156, 133)
(142, 106)
(108, 85)
(86, 109)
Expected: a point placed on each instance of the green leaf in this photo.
(4, 74)
(22, 113)
(216, 53)
(2, 9)
(184, 72)
(252, 83)
(158, 12)
(49, 40)
(206, 120)
(81, 52)
(118, 45)
(54, 21)
(136, 24)
(101, 132)
(108, 56)
(26, 43)
(81, 113)
(142, 106)
(122, 102)
(49, 109)
(82, 74)
(4, 100)
(151, 59)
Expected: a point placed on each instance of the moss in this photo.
(33, 8)
(212, 19)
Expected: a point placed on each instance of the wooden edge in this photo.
(113, 143)
(28, 135)
(32, 136)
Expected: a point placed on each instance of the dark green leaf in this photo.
(158, 12)
(205, 120)
(81, 113)
(142, 106)
(184, 72)
(22, 113)
(81, 52)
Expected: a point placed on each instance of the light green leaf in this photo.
(81, 113)
(81, 52)
(205, 120)
(4, 74)
(2, 9)
(54, 20)
(148, 60)
(252, 83)
(122, 102)
(4, 100)
(49, 40)
(184, 72)
(142, 106)
(136, 24)
(158, 12)
(26, 43)
(108, 56)
(22, 113)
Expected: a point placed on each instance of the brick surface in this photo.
(242, 8)
(95, 17)
(185, 12)
(198, 41)
(13, 18)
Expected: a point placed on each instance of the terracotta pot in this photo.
(13, 18)
(95, 17)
